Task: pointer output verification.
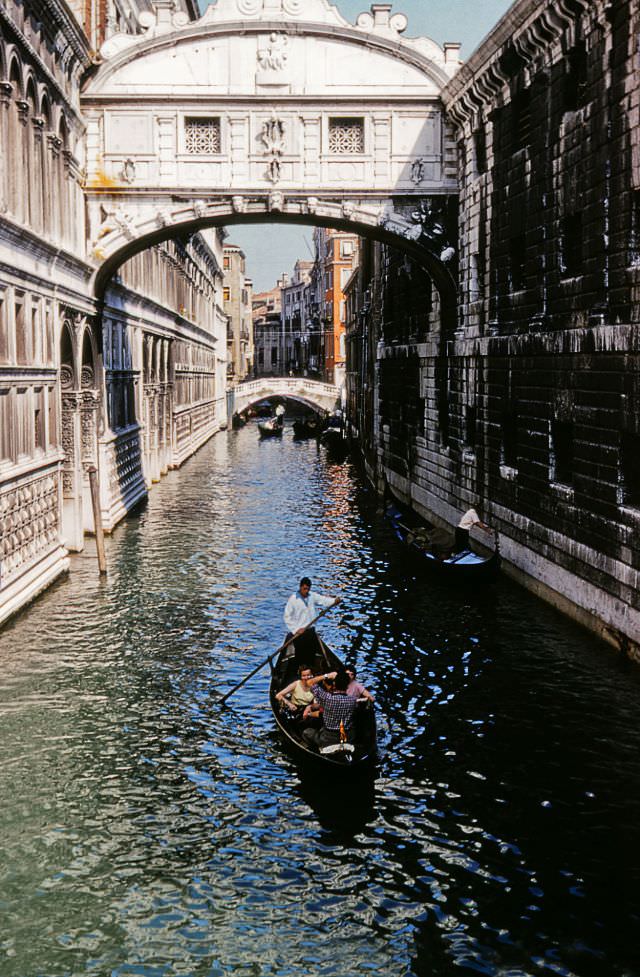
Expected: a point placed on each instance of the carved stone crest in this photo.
(275, 201)
(417, 171)
(238, 204)
(274, 56)
(273, 135)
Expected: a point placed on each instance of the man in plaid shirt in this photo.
(338, 707)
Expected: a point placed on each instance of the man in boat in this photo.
(302, 607)
(468, 521)
(337, 711)
(355, 688)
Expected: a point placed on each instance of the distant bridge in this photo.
(311, 393)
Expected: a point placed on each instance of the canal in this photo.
(145, 830)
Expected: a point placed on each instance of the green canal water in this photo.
(146, 830)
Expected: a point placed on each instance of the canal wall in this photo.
(528, 407)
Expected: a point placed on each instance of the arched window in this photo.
(88, 376)
(15, 149)
(33, 165)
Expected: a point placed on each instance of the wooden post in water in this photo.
(92, 471)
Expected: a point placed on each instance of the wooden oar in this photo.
(269, 659)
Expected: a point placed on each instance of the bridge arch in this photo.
(320, 397)
(277, 110)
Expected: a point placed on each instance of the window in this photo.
(517, 262)
(346, 136)
(480, 150)
(521, 125)
(572, 245)
(562, 438)
(274, 356)
(634, 236)
(630, 469)
(470, 424)
(509, 434)
(227, 262)
(38, 418)
(202, 136)
(21, 336)
(53, 419)
(4, 331)
(226, 294)
(346, 249)
(575, 81)
(6, 427)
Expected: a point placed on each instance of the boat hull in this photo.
(362, 762)
(466, 566)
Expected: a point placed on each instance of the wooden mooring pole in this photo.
(97, 517)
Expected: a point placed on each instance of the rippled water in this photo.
(145, 830)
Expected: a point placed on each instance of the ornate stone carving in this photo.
(417, 171)
(348, 209)
(28, 523)
(249, 7)
(238, 204)
(275, 201)
(128, 171)
(274, 57)
(274, 171)
(66, 376)
(273, 136)
(312, 205)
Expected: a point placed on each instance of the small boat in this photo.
(272, 428)
(436, 555)
(306, 427)
(360, 756)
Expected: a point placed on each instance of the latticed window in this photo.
(202, 136)
(346, 136)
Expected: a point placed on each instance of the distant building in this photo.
(267, 330)
(336, 258)
(238, 306)
(295, 334)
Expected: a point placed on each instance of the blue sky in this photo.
(273, 249)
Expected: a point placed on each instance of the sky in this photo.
(273, 249)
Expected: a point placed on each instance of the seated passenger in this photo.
(298, 697)
(337, 710)
(355, 688)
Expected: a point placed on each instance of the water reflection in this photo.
(148, 830)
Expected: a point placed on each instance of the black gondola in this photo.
(306, 427)
(360, 757)
(418, 537)
(272, 428)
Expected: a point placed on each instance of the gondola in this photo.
(272, 428)
(306, 427)
(359, 757)
(418, 537)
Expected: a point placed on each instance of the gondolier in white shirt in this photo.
(468, 521)
(301, 608)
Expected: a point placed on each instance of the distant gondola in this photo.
(418, 537)
(306, 427)
(360, 756)
(272, 428)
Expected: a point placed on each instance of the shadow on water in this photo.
(343, 809)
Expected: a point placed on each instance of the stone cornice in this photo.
(529, 27)
(397, 49)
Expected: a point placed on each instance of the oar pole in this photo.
(267, 661)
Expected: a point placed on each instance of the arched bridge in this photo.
(318, 396)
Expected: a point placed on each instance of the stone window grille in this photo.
(509, 435)
(480, 150)
(572, 245)
(517, 262)
(576, 78)
(346, 136)
(521, 121)
(202, 136)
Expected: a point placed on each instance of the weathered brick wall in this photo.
(530, 407)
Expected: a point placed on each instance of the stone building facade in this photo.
(295, 319)
(132, 383)
(526, 403)
(238, 291)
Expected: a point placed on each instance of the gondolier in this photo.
(301, 608)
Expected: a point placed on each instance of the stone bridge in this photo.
(311, 393)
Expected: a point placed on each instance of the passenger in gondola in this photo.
(337, 713)
(468, 521)
(297, 698)
(356, 688)
(301, 608)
